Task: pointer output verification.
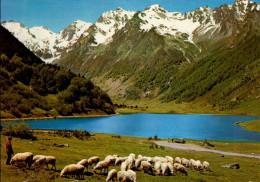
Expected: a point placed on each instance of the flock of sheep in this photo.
(152, 165)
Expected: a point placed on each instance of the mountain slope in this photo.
(43, 42)
(202, 56)
(31, 88)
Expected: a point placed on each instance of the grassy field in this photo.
(252, 125)
(104, 144)
(196, 107)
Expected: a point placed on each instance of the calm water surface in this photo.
(193, 126)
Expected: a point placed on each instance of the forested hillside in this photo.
(31, 88)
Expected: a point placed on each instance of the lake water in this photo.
(193, 126)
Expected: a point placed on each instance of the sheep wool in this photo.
(111, 175)
(157, 167)
(146, 167)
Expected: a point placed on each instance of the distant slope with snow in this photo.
(45, 43)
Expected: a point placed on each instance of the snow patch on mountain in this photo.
(108, 24)
(45, 43)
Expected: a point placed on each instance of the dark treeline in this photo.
(34, 88)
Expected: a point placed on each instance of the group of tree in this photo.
(30, 87)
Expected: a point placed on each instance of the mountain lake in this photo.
(190, 126)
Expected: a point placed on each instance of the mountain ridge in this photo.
(173, 57)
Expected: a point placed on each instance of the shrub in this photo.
(20, 130)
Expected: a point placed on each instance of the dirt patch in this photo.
(201, 149)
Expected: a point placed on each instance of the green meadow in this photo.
(104, 144)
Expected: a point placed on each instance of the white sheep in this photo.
(36, 157)
(165, 169)
(170, 167)
(139, 156)
(205, 165)
(182, 169)
(101, 165)
(93, 160)
(128, 175)
(26, 157)
(175, 166)
(138, 162)
(111, 175)
(119, 160)
(196, 164)
(146, 167)
(130, 160)
(84, 162)
(73, 169)
(110, 159)
(46, 160)
(157, 167)
(122, 176)
(163, 160)
(132, 175)
(178, 160)
(133, 155)
(124, 166)
(156, 159)
(169, 159)
(185, 162)
(149, 159)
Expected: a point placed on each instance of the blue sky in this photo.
(58, 14)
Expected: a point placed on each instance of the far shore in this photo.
(54, 117)
(121, 111)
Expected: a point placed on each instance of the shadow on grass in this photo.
(88, 174)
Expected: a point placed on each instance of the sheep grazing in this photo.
(111, 159)
(26, 157)
(46, 160)
(138, 162)
(124, 166)
(196, 164)
(111, 175)
(128, 175)
(175, 166)
(170, 167)
(73, 169)
(169, 159)
(165, 169)
(101, 165)
(146, 167)
(205, 165)
(133, 155)
(163, 160)
(185, 162)
(36, 157)
(178, 160)
(130, 161)
(84, 162)
(132, 175)
(93, 160)
(182, 169)
(157, 167)
(119, 160)
(156, 159)
(123, 176)
(149, 159)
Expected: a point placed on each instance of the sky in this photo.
(56, 15)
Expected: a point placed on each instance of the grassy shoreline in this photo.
(52, 117)
(105, 144)
(251, 125)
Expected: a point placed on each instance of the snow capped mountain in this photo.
(45, 43)
(199, 25)
(108, 24)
